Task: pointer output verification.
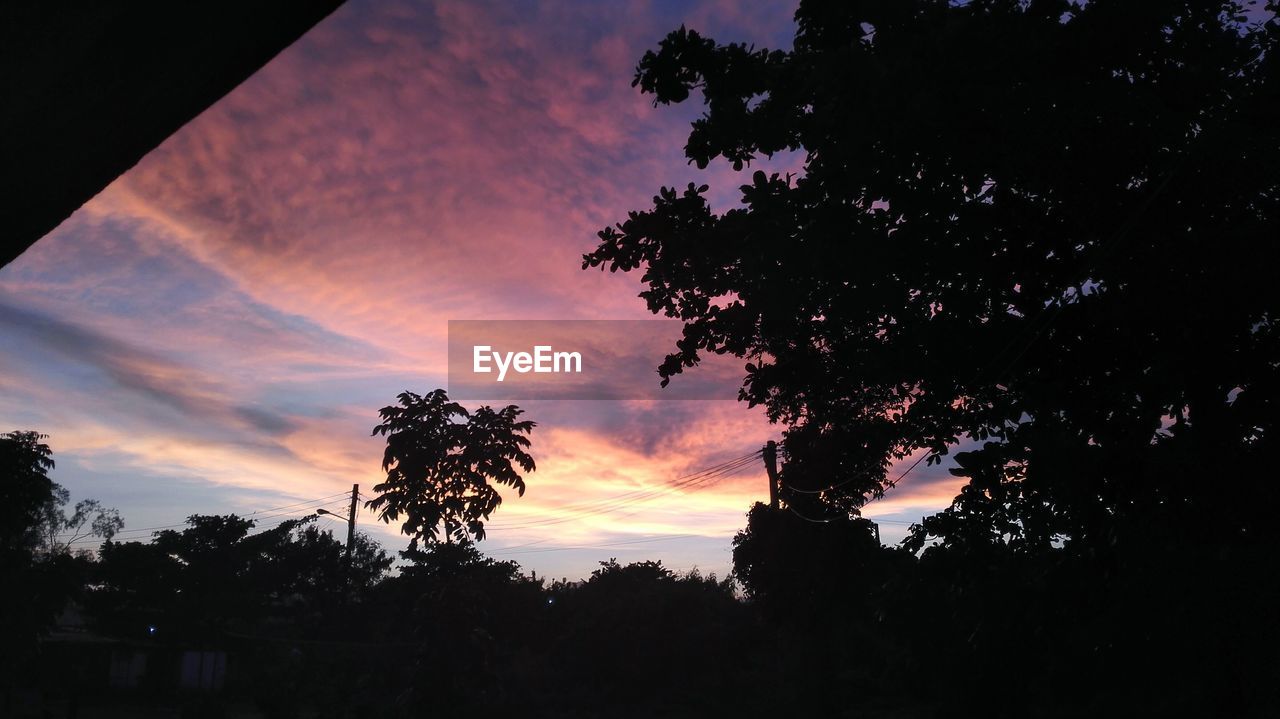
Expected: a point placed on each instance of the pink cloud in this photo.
(283, 265)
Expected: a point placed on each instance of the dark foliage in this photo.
(440, 460)
(1022, 223)
(25, 491)
(218, 578)
(1043, 229)
(37, 582)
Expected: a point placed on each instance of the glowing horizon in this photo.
(217, 329)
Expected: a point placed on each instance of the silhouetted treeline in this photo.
(818, 617)
(1038, 231)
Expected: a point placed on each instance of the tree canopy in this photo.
(25, 492)
(1038, 226)
(217, 572)
(442, 463)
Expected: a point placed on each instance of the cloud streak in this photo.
(225, 319)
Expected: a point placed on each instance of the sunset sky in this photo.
(216, 331)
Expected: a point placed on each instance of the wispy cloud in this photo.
(232, 312)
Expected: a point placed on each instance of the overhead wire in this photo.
(837, 485)
(676, 484)
(260, 530)
(256, 516)
(638, 496)
(296, 504)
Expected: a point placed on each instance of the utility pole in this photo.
(770, 455)
(351, 522)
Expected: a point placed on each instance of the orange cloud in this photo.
(216, 330)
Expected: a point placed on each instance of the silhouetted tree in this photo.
(648, 641)
(218, 575)
(59, 532)
(34, 591)
(440, 462)
(137, 586)
(35, 519)
(799, 568)
(826, 589)
(1039, 227)
(315, 559)
(465, 614)
(1022, 223)
(38, 574)
(25, 492)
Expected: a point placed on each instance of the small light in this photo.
(151, 629)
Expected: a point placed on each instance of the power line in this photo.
(255, 516)
(261, 530)
(810, 519)
(677, 483)
(296, 504)
(338, 504)
(832, 519)
(837, 485)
